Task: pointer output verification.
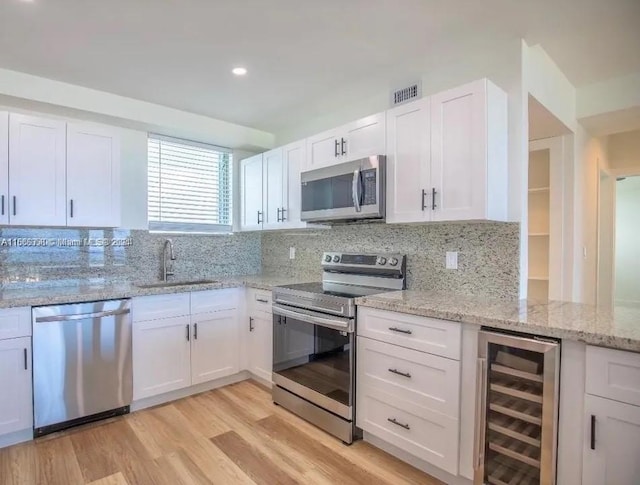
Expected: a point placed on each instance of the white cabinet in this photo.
(447, 156)
(4, 167)
(469, 153)
(251, 216)
(612, 442)
(93, 176)
(260, 345)
(16, 403)
(161, 356)
(361, 138)
(37, 179)
(274, 187)
(293, 156)
(215, 346)
(408, 162)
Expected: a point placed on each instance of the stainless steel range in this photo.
(314, 327)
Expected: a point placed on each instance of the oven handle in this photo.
(343, 325)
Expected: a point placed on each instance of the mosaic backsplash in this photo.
(32, 255)
(488, 254)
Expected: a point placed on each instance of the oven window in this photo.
(316, 357)
(328, 193)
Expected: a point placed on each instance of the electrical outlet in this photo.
(292, 253)
(452, 260)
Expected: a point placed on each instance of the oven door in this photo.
(314, 357)
(353, 190)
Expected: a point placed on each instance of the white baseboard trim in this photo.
(190, 391)
(16, 437)
(415, 461)
(262, 381)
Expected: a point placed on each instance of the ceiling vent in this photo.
(406, 94)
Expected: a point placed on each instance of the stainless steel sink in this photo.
(169, 284)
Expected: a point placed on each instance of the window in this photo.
(189, 186)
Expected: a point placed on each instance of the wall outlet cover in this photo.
(292, 253)
(452, 260)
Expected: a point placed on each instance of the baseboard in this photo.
(16, 437)
(190, 391)
(415, 461)
(262, 381)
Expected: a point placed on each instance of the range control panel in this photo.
(362, 260)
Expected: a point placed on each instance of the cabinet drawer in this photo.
(214, 300)
(438, 337)
(430, 436)
(160, 306)
(424, 379)
(614, 374)
(259, 300)
(15, 322)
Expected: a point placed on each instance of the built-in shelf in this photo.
(538, 234)
(539, 189)
(539, 278)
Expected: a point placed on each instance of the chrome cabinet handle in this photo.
(259, 216)
(343, 144)
(400, 330)
(282, 217)
(593, 432)
(433, 199)
(335, 151)
(71, 207)
(424, 194)
(355, 190)
(188, 332)
(26, 366)
(403, 374)
(14, 205)
(261, 300)
(251, 326)
(3, 205)
(195, 331)
(397, 423)
(278, 214)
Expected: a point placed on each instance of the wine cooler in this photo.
(516, 410)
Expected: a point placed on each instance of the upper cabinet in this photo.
(93, 176)
(447, 156)
(37, 179)
(58, 174)
(359, 139)
(270, 189)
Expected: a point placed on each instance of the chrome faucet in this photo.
(167, 268)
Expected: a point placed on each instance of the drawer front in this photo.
(424, 379)
(15, 322)
(427, 435)
(155, 307)
(214, 300)
(438, 337)
(613, 374)
(259, 300)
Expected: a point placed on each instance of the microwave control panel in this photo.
(369, 180)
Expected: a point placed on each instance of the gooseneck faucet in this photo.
(167, 268)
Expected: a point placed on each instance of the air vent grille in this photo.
(406, 94)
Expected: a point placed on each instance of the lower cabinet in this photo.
(16, 404)
(214, 347)
(260, 345)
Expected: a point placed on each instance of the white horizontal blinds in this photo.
(189, 185)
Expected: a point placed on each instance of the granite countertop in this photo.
(74, 291)
(618, 328)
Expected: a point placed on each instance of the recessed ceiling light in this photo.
(239, 71)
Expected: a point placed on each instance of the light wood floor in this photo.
(227, 436)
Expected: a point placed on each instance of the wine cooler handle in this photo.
(481, 412)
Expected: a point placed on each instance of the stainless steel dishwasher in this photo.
(82, 368)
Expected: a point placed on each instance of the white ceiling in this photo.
(180, 53)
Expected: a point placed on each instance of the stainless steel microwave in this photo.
(345, 192)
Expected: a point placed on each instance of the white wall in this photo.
(627, 249)
(624, 152)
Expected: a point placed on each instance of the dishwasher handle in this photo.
(82, 316)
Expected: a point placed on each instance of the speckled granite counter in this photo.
(87, 290)
(618, 328)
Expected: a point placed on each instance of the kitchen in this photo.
(416, 267)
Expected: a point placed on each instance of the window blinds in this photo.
(189, 186)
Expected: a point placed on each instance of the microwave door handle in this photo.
(355, 189)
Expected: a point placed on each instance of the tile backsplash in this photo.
(488, 253)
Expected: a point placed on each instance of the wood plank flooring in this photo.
(233, 435)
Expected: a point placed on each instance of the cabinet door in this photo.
(458, 153)
(4, 167)
(324, 149)
(16, 404)
(365, 137)
(37, 179)
(215, 346)
(261, 345)
(614, 458)
(409, 162)
(161, 356)
(251, 193)
(93, 176)
(274, 187)
(294, 156)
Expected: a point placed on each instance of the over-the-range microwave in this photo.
(344, 192)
